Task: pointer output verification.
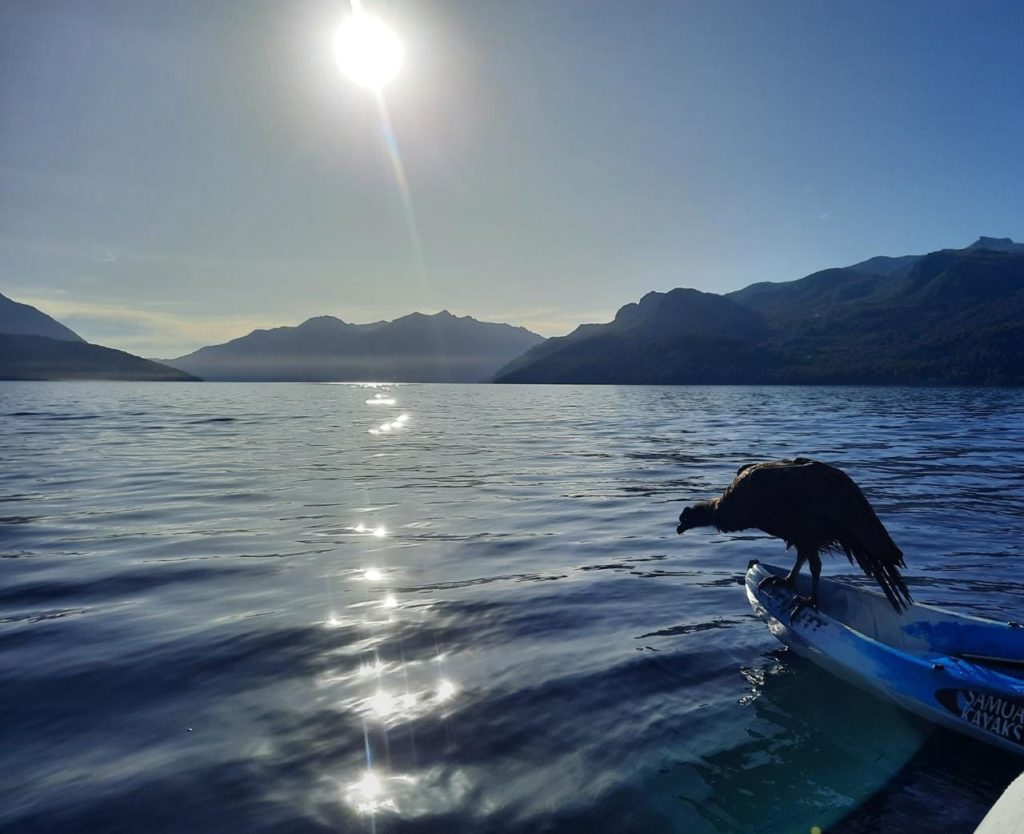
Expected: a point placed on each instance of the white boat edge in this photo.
(1006, 816)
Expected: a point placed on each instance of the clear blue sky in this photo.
(174, 173)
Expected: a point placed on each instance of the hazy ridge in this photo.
(413, 348)
(39, 358)
(25, 320)
(35, 346)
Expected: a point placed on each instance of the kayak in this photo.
(965, 673)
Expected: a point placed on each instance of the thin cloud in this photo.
(548, 321)
(159, 332)
(166, 334)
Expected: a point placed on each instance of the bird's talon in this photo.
(777, 581)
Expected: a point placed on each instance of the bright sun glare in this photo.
(368, 51)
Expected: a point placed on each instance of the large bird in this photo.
(814, 507)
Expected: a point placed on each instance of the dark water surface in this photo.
(235, 608)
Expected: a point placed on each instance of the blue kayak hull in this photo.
(964, 673)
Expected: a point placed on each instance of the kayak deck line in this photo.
(995, 661)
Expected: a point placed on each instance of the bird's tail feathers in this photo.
(884, 570)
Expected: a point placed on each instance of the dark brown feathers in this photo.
(814, 506)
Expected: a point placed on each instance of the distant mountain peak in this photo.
(444, 315)
(323, 321)
(996, 244)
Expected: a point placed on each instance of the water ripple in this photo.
(465, 609)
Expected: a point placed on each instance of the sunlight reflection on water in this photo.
(481, 620)
(386, 705)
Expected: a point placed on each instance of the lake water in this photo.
(290, 608)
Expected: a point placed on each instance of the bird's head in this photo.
(685, 520)
(699, 515)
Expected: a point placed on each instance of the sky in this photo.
(177, 174)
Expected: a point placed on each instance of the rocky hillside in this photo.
(949, 317)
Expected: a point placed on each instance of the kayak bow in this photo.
(965, 673)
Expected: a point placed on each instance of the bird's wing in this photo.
(787, 497)
(832, 496)
(813, 504)
(767, 496)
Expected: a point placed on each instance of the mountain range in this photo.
(413, 348)
(948, 317)
(34, 346)
(951, 317)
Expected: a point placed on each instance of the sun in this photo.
(368, 51)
